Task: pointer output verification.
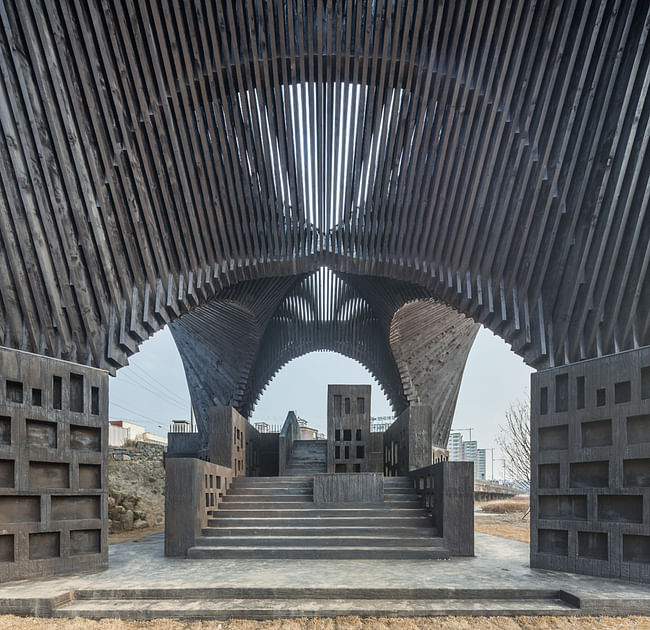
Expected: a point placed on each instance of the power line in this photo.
(156, 383)
(167, 399)
(135, 413)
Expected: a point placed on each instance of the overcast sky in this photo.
(152, 390)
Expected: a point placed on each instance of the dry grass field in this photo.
(8, 622)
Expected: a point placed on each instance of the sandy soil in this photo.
(354, 623)
(510, 526)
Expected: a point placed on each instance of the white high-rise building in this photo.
(455, 447)
(479, 464)
(469, 451)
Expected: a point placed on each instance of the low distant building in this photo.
(307, 432)
(120, 432)
(180, 426)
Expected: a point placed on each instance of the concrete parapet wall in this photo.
(53, 466)
(408, 442)
(590, 477)
(356, 488)
(288, 435)
(193, 490)
(447, 489)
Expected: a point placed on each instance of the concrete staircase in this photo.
(275, 517)
(308, 457)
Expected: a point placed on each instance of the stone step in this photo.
(350, 521)
(274, 607)
(332, 539)
(263, 480)
(254, 499)
(322, 513)
(314, 552)
(248, 490)
(281, 503)
(264, 530)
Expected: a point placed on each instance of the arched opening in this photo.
(301, 386)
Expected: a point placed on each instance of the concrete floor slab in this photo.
(499, 571)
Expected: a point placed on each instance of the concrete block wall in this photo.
(348, 428)
(53, 466)
(447, 490)
(408, 442)
(193, 491)
(590, 481)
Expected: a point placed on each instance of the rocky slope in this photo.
(136, 482)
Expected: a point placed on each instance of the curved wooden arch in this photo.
(157, 155)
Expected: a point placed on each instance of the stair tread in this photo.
(303, 607)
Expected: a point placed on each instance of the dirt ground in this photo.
(134, 534)
(353, 623)
(511, 526)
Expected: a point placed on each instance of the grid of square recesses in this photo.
(53, 475)
(590, 447)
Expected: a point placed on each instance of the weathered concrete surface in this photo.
(193, 490)
(53, 466)
(497, 574)
(360, 488)
(447, 489)
(590, 426)
(348, 428)
(409, 442)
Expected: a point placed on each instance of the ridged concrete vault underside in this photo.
(199, 162)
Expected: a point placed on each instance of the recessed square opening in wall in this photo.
(86, 541)
(554, 438)
(549, 476)
(6, 548)
(580, 392)
(360, 452)
(66, 508)
(5, 430)
(94, 401)
(592, 545)
(620, 508)
(638, 429)
(85, 438)
(601, 397)
(561, 393)
(20, 509)
(37, 397)
(347, 435)
(7, 479)
(76, 393)
(596, 433)
(340, 468)
(589, 474)
(48, 475)
(44, 546)
(57, 392)
(543, 401)
(563, 507)
(14, 391)
(41, 434)
(636, 548)
(622, 392)
(636, 473)
(554, 541)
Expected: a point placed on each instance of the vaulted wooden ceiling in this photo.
(157, 154)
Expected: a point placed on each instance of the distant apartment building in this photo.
(455, 447)
(467, 451)
(479, 464)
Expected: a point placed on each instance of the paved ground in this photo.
(499, 563)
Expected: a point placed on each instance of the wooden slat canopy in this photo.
(487, 158)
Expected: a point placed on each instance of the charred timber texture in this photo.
(201, 162)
